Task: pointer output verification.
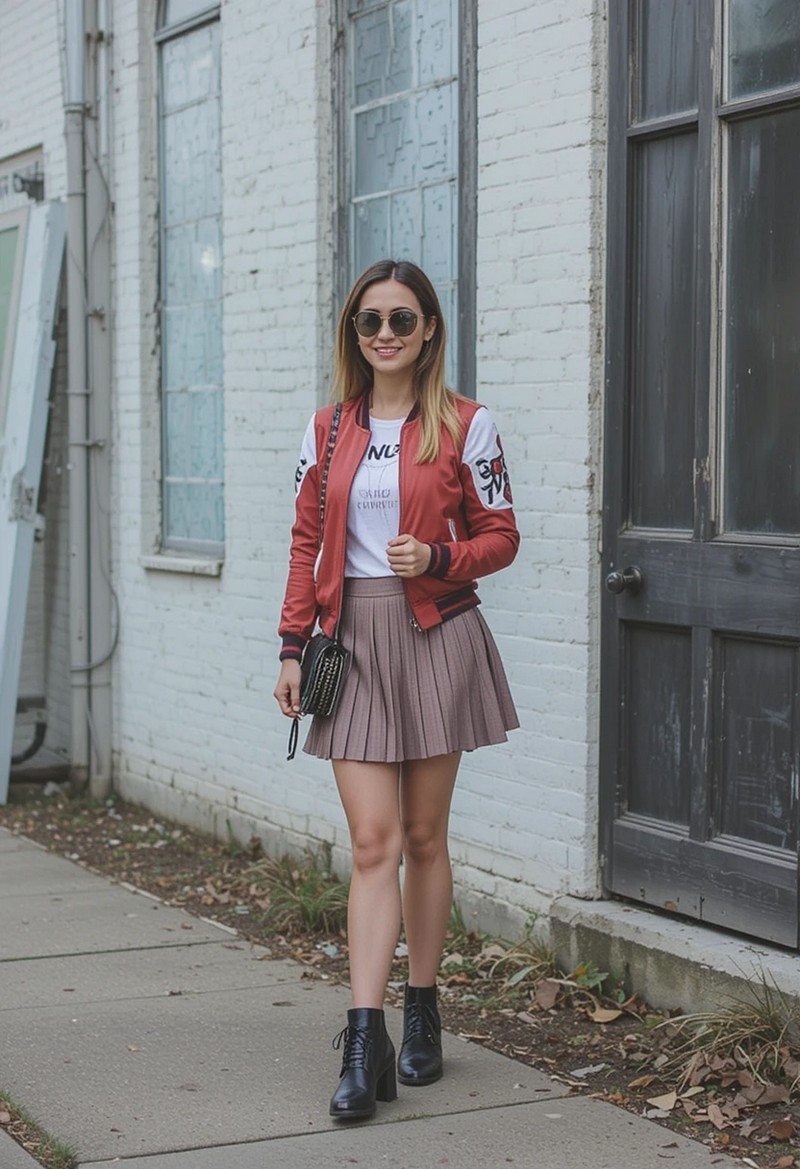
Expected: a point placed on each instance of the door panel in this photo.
(756, 748)
(658, 722)
(700, 702)
(661, 404)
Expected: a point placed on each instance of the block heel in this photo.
(368, 1071)
(386, 1087)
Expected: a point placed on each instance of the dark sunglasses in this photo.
(402, 322)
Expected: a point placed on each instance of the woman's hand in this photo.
(407, 556)
(287, 691)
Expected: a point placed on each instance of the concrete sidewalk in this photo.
(142, 1035)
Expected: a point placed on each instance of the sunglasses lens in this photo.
(403, 322)
(367, 324)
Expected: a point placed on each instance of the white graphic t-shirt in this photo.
(373, 513)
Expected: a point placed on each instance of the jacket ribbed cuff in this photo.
(440, 560)
(292, 647)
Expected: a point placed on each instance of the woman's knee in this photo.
(375, 848)
(423, 843)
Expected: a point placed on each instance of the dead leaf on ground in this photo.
(643, 1081)
(546, 993)
(604, 1015)
(714, 1114)
(760, 1095)
(665, 1103)
(782, 1130)
(452, 960)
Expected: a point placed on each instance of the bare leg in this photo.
(426, 790)
(369, 794)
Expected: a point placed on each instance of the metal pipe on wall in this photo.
(98, 285)
(77, 390)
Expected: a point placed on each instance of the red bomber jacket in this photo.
(460, 505)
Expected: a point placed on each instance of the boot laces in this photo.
(420, 1022)
(357, 1044)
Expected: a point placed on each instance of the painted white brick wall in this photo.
(533, 803)
(31, 110)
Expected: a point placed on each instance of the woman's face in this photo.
(385, 351)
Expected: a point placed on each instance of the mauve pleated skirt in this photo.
(410, 694)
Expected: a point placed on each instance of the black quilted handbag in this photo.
(324, 659)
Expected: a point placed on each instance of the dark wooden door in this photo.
(700, 721)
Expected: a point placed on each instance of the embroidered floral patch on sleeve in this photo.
(483, 453)
(493, 477)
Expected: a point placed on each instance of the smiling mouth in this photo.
(385, 351)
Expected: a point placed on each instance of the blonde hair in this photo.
(353, 373)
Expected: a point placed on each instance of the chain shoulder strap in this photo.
(323, 487)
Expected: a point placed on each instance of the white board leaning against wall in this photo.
(31, 254)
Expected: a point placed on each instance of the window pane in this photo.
(406, 225)
(371, 232)
(661, 393)
(205, 422)
(192, 169)
(439, 240)
(192, 346)
(176, 11)
(437, 41)
(667, 57)
(194, 511)
(190, 68)
(407, 142)
(383, 52)
(762, 447)
(193, 266)
(176, 446)
(763, 45)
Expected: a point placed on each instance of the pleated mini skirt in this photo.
(411, 694)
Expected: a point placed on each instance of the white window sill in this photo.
(193, 565)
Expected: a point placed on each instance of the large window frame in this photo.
(199, 16)
(466, 181)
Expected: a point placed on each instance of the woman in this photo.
(417, 504)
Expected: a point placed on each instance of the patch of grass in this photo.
(21, 1126)
(303, 895)
(759, 1032)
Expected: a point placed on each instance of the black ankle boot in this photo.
(420, 1060)
(367, 1071)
